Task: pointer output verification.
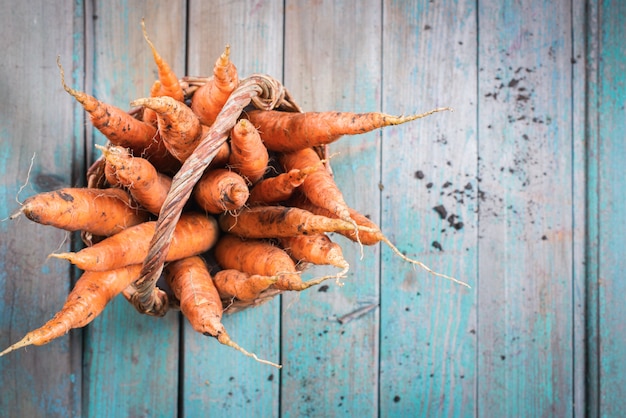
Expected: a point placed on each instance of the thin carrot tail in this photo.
(63, 256)
(24, 342)
(147, 38)
(342, 273)
(357, 237)
(16, 214)
(419, 263)
(79, 96)
(225, 339)
(318, 280)
(398, 120)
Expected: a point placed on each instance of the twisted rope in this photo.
(262, 91)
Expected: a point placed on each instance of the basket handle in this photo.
(262, 91)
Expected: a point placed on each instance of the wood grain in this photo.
(525, 248)
(333, 63)
(131, 360)
(428, 324)
(37, 381)
(611, 208)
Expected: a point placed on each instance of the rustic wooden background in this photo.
(529, 168)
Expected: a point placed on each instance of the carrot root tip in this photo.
(63, 256)
(26, 341)
(223, 338)
(16, 214)
(422, 265)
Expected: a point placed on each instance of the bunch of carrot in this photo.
(261, 205)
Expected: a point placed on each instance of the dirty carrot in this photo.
(319, 186)
(236, 284)
(278, 189)
(290, 131)
(86, 301)
(117, 125)
(101, 212)
(169, 84)
(279, 221)
(149, 115)
(248, 156)
(208, 100)
(147, 186)
(194, 234)
(316, 249)
(255, 256)
(220, 190)
(179, 128)
(200, 301)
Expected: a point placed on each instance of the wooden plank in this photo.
(37, 381)
(217, 379)
(332, 62)
(131, 360)
(611, 206)
(579, 213)
(429, 205)
(525, 311)
(592, 163)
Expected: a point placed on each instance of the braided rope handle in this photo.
(262, 91)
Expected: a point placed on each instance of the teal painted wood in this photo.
(592, 160)
(131, 360)
(580, 64)
(428, 324)
(517, 344)
(525, 357)
(334, 63)
(36, 381)
(218, 380)
(611, 207)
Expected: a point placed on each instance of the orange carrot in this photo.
(260, 257)
(86, 301)
(109, 174)
(292, 131)
(209, 99)
(236, 284)
(194, 234)
(200, 301)
(221, 158)
(279, 221)
(170, 85)
(117, 125)
(179, 128)
(147, 186)
(149, 115)
(220, 190)
(278, 189)
(316, 249)
(319, 186)
(101, 212)
(248, 156)
(366, 238)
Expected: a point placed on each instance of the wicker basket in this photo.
(258, 91)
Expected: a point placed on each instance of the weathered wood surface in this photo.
(39, 125)
(529, 169)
